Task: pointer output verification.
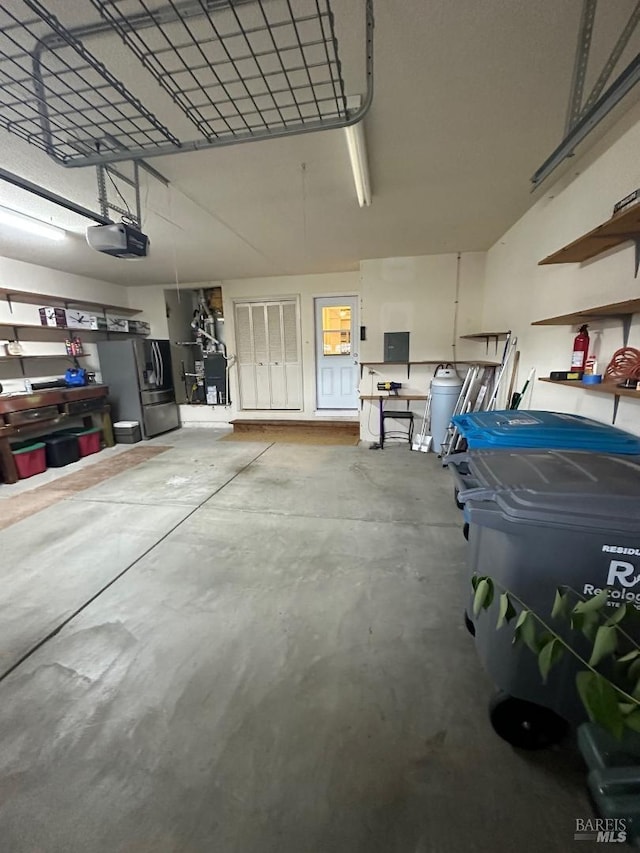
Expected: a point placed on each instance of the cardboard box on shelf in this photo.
(53, 316)
(98, 323)
(78, 319)
(117, 324)
(139, 327)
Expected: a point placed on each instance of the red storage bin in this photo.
(89, 440)
(30, 460)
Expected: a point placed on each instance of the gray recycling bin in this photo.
(538, 520)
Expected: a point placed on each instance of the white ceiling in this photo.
(469, 99)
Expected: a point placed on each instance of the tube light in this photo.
(359, 164)
(21, 221)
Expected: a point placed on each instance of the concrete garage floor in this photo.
(282, 667)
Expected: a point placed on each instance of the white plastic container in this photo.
(445, 390)
(127, 432)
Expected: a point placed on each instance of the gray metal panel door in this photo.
(396, 346)
(150, 398)
(160, 418)
(119, 372)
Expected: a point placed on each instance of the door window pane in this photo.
(336, 330)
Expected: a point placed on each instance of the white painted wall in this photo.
(151, 301)
(304, 287)
(22, 276)
(518, 291)
(18, 276)
(504, 288)
(418, 295)
(396, 294)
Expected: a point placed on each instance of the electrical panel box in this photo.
(396, 346)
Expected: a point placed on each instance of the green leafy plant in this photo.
(612, 702)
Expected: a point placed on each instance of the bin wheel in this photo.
(459, 503)
(525, 725)
(468, 624)
(465, 530)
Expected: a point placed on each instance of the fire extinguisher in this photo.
(580, 349)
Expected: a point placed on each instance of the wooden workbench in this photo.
(58, 399)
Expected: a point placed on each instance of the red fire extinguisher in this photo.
(580, 349)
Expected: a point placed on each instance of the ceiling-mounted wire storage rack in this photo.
(238, 70)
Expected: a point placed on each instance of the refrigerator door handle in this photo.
(140, 363)
(156, 363)
(161, 363)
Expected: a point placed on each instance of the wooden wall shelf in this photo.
(56, 356)
(622, 311)
(622, 228)
(43, 299)
(613, 310)
(485, 336)
(432, 361)
(27, 297)
(9, 325)
(604, 387)
(384, 396)
(410, 364)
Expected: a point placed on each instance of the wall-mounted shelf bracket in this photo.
(486, 337)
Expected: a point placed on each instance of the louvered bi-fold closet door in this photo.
(267, 343)
(290, 321)
(246, 358)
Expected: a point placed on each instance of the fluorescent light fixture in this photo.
(359, 164)
(21, 221)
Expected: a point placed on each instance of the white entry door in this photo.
(336, 352)
(268, 348)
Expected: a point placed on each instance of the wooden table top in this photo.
(386, 396)
(50, 397)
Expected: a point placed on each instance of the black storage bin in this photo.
(61, 450)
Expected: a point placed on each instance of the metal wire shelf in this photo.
(60, 97)
(239, 70)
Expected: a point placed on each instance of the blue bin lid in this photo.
(546, 430)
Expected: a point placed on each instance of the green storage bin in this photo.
(30, 458)
(26, 447)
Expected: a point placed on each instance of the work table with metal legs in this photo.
(402, 414)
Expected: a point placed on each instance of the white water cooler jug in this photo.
(445, 390)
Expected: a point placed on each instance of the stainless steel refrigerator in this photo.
(138, 373)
